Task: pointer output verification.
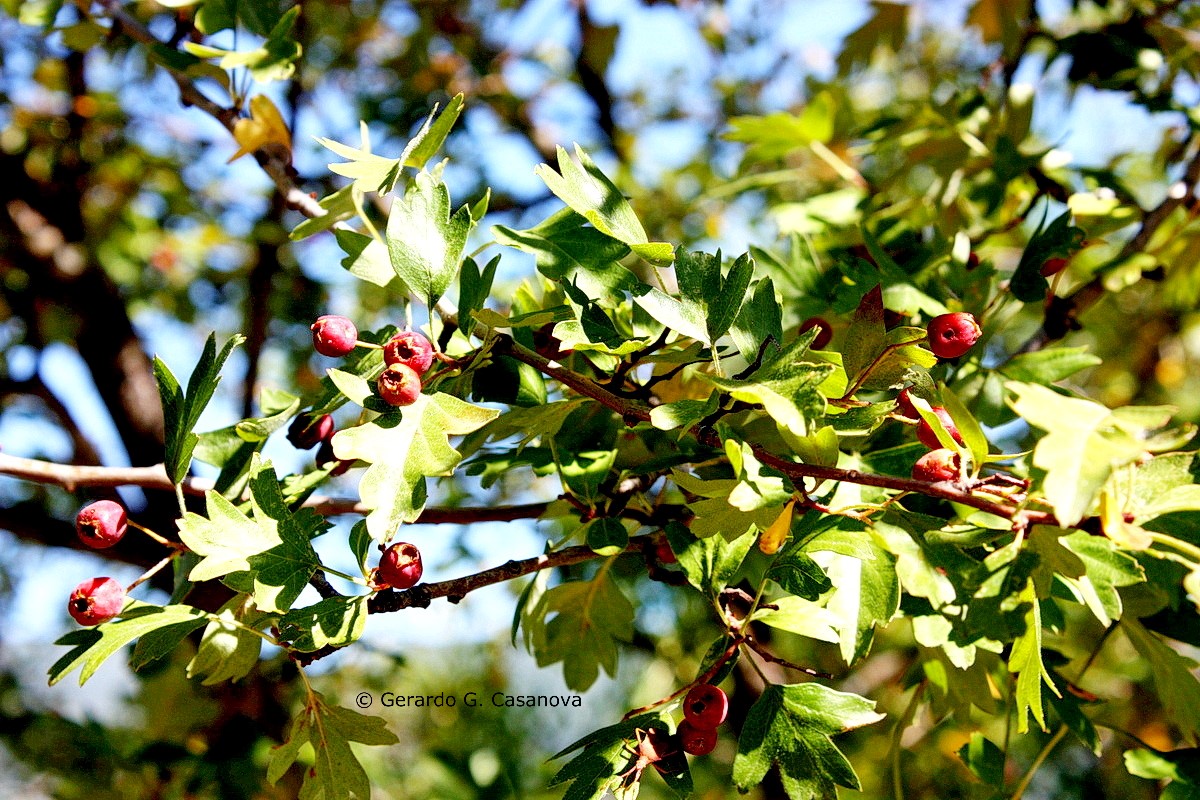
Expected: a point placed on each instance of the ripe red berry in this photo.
(333, 335)
(1053, 266)
(101, 524)
(306, 432)
(96, 600)
(664, 553)
(951, 335)
(705, 706)
(399, 385)
(399, 566)
(904, 404)
(937, 465)
(823, 335)
(411, 349)
(697, 741)
(927, 437)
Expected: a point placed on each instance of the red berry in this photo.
(664, 553)
(824, 334)
(333, 335)
(96, 600)
(697, 741)
(306, 432)
(951, 335)
(399, 566)
(705, 706)
(972, 261)
(411, 349)
(101, 524)
(399, 385)
(325, 456)
(927, 437)
(904, 404)
(1053, 266)
(937, 465)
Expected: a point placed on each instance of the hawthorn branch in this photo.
(72, 477)
(633, 413)
(421, 595)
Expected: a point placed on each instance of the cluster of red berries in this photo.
(704, 708)
(950, 336)
(407, 355)
(99, 525)
(399, 567)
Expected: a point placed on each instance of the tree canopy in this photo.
(842, 356)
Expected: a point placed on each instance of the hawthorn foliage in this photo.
(674, 412)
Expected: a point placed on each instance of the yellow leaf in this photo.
(1124, 534)
(265, 126)
(778, 531)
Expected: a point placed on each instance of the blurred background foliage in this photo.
(790, 126)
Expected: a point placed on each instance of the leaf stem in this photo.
(156, 537)
(910, 711)
(1037, 762)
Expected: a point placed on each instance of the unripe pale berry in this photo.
(306, 432)
(937, 465)
(705, 706)
(696, 741)
(101, 524)
(400, 566)
(926, 435)
(96, 600)
(824, 334)
(399, 385)
(333, 335)
(951, 335)
(411, 349)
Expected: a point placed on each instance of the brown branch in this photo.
(421, 595)
(632, 413)
(276, 162)
(72, 477)
(1061, 312)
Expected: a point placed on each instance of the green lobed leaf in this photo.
(866, 594)
(336, 773)
(568, 252)
(588, 191)
(786, 386)
(709, 563)
(428, 140)
(984, 759)
(608, 754)
(798, 574)
(339, 206)
(760, 320)
(801, 616)
(227, 650)
(403, 448)
(792, 726)
(1106, 570)
(424, 239)
(709, 300)
(1058, 239)
(93, 646)
(1048, 366)
(331, 622)
(474, 288)
(590, 618)
(1174, 679)
(1081, 447)
(1025, 661)
(366, 258)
